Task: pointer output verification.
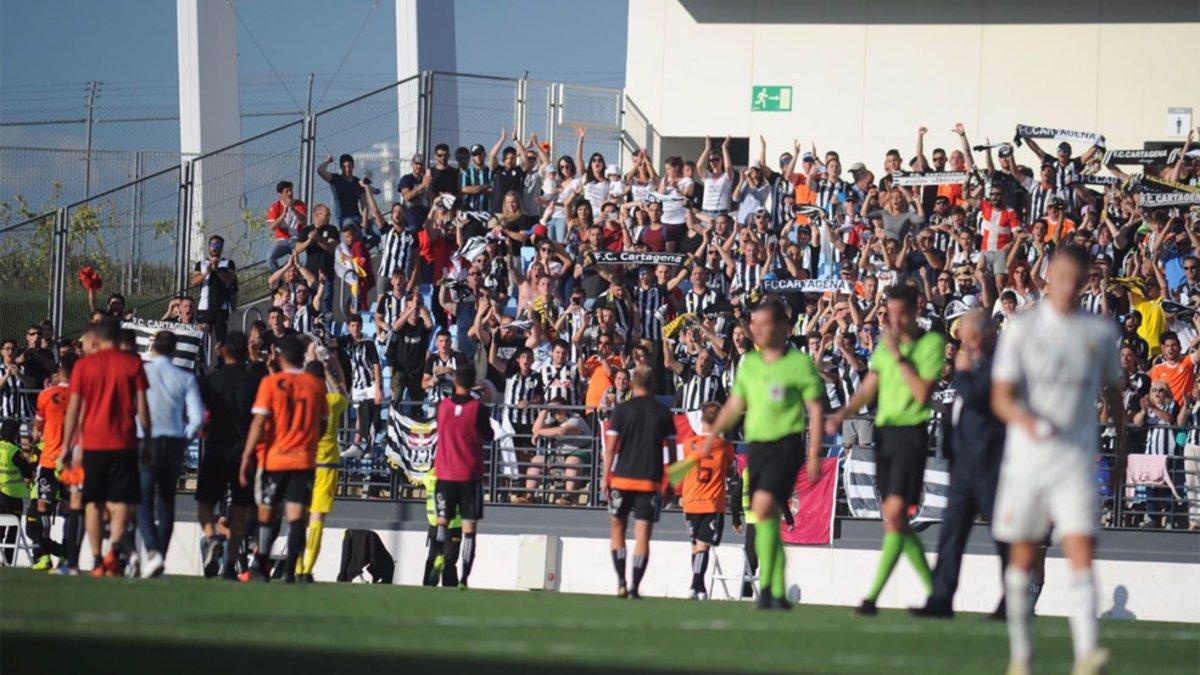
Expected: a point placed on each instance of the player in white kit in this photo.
(1052, 364)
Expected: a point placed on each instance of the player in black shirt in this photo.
(638, 431)
(228, 394)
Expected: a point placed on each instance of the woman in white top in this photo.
(752, 192)
(641, 179)
(595, 182)
(717, 174)
(675, 190)
(569, 187)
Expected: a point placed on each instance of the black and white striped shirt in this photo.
(746, 275)
(397, 251)
(1193, 421)
(561, 382)
(390, 308)
(363, 358)
(305, 319)
(647, 302)
(827, 194)
(699, 389)
(521, 387)
(697, 302)
(445, 383)
(1160, 437)
(1092, 302)
(849, 380)
(1040, 198)
(13, 403)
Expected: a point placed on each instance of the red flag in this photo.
(812, 507)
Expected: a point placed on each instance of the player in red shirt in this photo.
(51, 408)
(107, 389)
(290, 412)
(464, 427)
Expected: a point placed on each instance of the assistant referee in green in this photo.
(777, 388)
(903, 371)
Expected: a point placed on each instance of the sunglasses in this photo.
(32, 334)
(1189, 267)
(440, 154)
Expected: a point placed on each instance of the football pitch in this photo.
(190, 625)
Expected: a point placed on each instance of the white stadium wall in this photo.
(1149, 591)
(866, 73)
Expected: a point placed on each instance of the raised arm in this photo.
(491, 157)
(1037, 149)
(922, 163)
(725, 155)
(323, 169)
(966, 146)
(702, 162)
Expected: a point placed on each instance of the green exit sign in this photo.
(770, 98)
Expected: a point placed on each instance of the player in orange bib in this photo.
(703, 495)
(289, 416)
(51, 408)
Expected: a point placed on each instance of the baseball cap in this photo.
(1057, 203)
(755, 164)
(418, 158)
(612, 170)
(1005, 151)
(476, 149)
(807, 157)
(549, 170)
(858, 166)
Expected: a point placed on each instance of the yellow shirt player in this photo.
(453, 541)
(325, 480)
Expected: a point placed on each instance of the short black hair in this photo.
(315, 368)
(1168, 335)
(346, 158)
(216, 237)
(441, 146)
(236, 345)
(283, 185)
(66, 363)
(164, 343)
(464, 375)
(107, 329)
(291, 349)
(354, 318)
(904, 293)
(9, 430)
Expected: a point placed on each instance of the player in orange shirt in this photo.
(51, 408)
(289, 416)
(703, 492)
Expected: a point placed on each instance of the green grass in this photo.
(182, 625)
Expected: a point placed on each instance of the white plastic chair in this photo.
(19, 544)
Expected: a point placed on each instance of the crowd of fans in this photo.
(501, 256)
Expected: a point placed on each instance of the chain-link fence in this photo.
(129, 236)
(380, 129)
(470, 109)
(228, 193)
(27, 252)
(143, 235)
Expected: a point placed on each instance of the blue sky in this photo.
(50, 49)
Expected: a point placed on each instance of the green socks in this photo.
(894, 544)
(769, 547)
(779, 586)
(915, 552)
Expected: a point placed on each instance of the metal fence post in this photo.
(308, 157)
(183, 224)
(58, 274)
(519, 113)
(552, 116)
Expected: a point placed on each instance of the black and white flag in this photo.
(189, 340)
(1141, 157)
(1097, 179)
(858, 480)
(637, 258)
(1161, 199)
(806, 286)
(921, 178)
(1031, 131)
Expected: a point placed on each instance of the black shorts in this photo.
(463, 496)
(774, 466)
(49, 488)
(706, 527)
(111, 476)
(644, 505)
(274, 487)
(215, 477)
(900, 461)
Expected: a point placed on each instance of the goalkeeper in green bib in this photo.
(903, 371)
(779, 391)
